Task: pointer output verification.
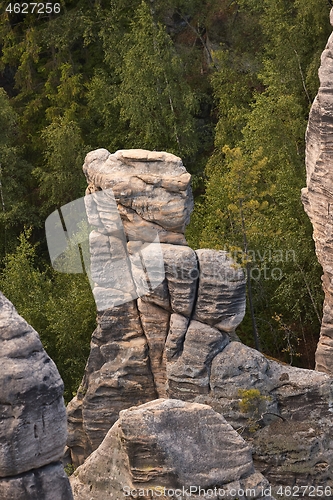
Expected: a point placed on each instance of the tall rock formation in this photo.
(32, 415)
(317, 197)
(153, 341)
(178, 340)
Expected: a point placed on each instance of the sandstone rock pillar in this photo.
(317, 197)
(158, 341)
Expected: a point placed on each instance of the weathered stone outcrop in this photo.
(117, 372)
(173, 445)
(289, 421)
(174, 339)
(317, 197)
(173, 308)
(32, 414)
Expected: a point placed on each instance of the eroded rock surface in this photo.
(173, 308)
(317, 196)
(32, 414)
(175, 340)
(117, 372)
(168, 444)
(289, 420)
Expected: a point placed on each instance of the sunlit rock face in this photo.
(317, 197)
(157, 342)
(168, 446)
(288, 422)
(32, 414)
(177, 340)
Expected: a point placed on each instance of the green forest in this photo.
(227, 85)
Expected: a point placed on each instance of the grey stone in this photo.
(221, 293)
(32, 410)
(32, 414)
(155, 185)
(317, 196)
(45, 483)
(181, 272)
(176, 336)
(150, 347)
(167, 444)
(155, 324)
(117, 375)
(189, 374)
(291, 419)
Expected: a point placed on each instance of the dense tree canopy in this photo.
(226, 85)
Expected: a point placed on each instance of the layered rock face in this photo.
(317, 196)
(155, 341)
(32, 415)
(175, 339)
(288, 419)
(174, 448)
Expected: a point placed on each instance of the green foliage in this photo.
(59, 306)
(156, 102)
(238, 196)
(69, 469)
(254, 404)
(24, 284)
(15, 198)
(61, 179)
(252, 196)
(173, 75)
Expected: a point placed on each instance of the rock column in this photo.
(317, 197)
(165, 311)
(32, 415)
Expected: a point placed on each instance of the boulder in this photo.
(288, 416)
(169, 446)
(32, 414)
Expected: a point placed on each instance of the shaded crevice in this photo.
(148, 349)
(196, 289)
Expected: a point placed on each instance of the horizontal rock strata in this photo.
(168, 444)
(32, 414)
(165, 310)
(317, 197)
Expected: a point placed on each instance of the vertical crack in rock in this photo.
(163, 342)
(149, 359)
(196, 293)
